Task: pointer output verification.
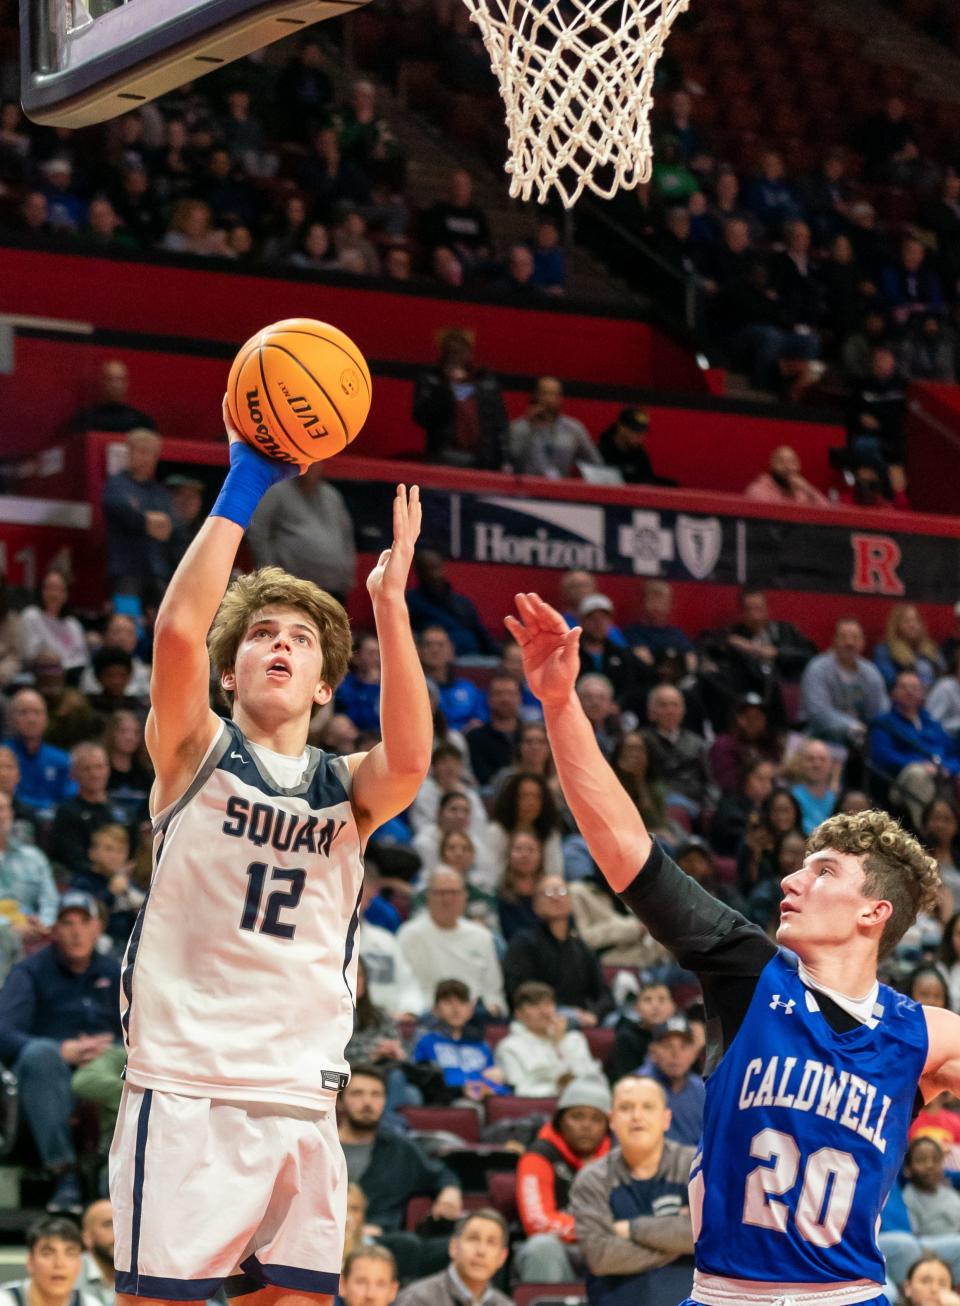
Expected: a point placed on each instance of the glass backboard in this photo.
(83, 61)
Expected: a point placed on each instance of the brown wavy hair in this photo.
(895, 866)
(274, 587)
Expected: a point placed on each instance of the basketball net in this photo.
(576, 77)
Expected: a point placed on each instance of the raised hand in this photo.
(551, 651)
(388, 580)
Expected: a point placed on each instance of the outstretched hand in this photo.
(389, 577)
(551, 651)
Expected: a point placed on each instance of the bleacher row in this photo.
(766, 72)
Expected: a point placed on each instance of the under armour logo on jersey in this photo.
(788, 1006)
(240, 758)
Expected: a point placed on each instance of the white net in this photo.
(576, 77)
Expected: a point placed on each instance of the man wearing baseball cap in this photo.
(674, 1047)
(577, 1134)
(59, 1008)
(601, 655)
(186, 496)
(749, 739)
(624, 446)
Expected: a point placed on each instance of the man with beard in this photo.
(97, 1272)
(783, 483)
(390, 1169)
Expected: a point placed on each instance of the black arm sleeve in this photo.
(724, 950)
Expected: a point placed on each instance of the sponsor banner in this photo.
(722, 549)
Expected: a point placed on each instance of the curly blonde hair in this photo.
(274, 587)
(895, 866)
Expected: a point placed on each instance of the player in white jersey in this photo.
(238, 983)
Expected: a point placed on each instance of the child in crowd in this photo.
(455, 1045)
(541, 1055)
(928, 1283)
(654, 1004)
(935, 1120)
(933, 1205)
(109, 881)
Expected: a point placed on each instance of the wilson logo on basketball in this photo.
(261, 432)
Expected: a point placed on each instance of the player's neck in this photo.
(289, 738)
(845, 970)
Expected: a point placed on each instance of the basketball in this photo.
(299, 391)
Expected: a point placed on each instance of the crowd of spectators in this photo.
(498, 973)
(798, 270)
(267, 166)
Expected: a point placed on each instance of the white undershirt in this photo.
(860, 1008)
(288, 771)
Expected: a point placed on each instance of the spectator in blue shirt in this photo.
(910, 749)
(670, 1058)
(434, 602)
(25, 879)
(654, 631)
(45, 779)
(66, 210)
(910, 287)
(462, 703)
(358, 694)
(770, 196)
(816, 790)
(59, 1009)
(138, 512)
(549, 260)
(454, 1044)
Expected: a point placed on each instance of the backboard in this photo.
(83, 61)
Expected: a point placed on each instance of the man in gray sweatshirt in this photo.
(630, 1207)
(303, 526)
(841, 692)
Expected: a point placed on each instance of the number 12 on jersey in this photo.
(276, 901)
(826, 1194)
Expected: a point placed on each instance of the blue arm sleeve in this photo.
(249, 478)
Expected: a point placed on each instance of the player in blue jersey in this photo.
(239, 977)
(814, 1067)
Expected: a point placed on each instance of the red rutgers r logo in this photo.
(875, 562)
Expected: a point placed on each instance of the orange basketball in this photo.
(299, 391)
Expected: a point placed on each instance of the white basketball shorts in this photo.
(240, 1194)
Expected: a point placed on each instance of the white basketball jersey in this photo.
(239, 978)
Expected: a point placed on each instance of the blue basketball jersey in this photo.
(804, 1132)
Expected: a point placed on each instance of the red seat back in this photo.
(531, 1294)
(502, 1187)
(515, 1108)
(601, 1043)
(460, 1120)
(418, 1208)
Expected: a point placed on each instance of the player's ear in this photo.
(228, 681)
(322, 694)
(878, 911)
